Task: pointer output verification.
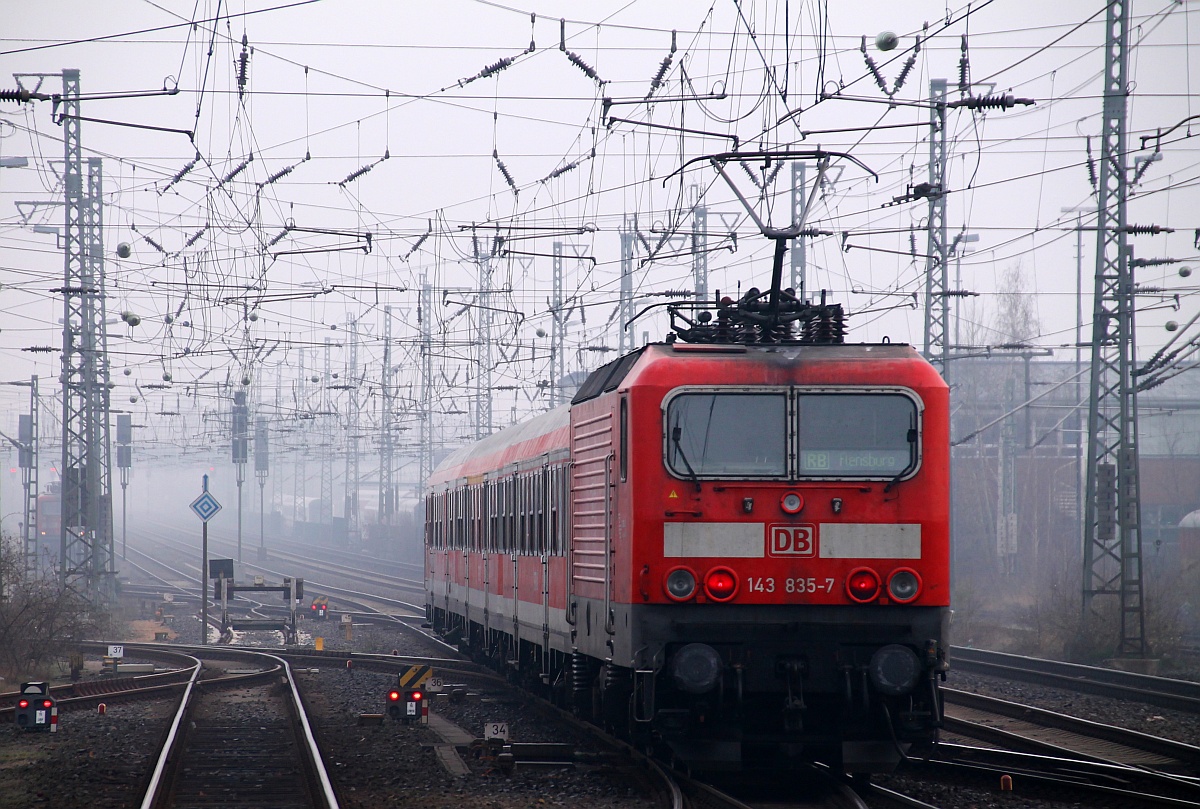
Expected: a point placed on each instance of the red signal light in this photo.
(46, 703)
(415, 696)
(862, 585)
(721, 584)
(23, 703)
(393, 696)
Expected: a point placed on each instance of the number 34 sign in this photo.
(495, 730)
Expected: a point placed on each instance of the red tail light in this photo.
(23, 703)
(862, 585)
(721, 584)
(393, 696)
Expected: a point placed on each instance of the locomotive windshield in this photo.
(829, 434)
(727, 434)
(856, 434)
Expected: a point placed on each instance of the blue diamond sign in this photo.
(206, 506)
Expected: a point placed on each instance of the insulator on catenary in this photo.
(561, 170)
(195, 237)
(873, 67)
(1147, 230)
(657, 81)
(242, 66)
(417, 244)
(1091, 163)
(964, 68)
(154, 244)
(753, 177)
(22, 95)
(283, 172)
(354, 175)
(1141, 171)
(912, 243)
(577, 60)
(238, 170)
(490, 70)
(181, 173)
(504, 170)
(279, 237)
(1001, 101)
(908, 66)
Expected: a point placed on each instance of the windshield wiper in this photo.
(912, 439)
(676, 433)
(895, 480)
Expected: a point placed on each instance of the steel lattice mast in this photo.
(625, 338)
(799, 255)
(426, 458)
(558, 328)
(936, 306)
(350, 508)
(1112, 547)
(385, 425)
(86, 549)
(27, 434)
(328, 425)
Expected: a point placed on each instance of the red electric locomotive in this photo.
(733, 545)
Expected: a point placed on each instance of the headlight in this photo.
(904, 585)
(680, 584)
(791, 502)
(696, 668)
(895, 670)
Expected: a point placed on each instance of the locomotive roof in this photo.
(609, 377)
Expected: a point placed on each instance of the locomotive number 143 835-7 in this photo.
(810, 584)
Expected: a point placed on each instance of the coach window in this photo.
(476, 519)
(624, 439)
(869, 435)
(727, 434)
(510, 513)
(523, 514)
(556, 503)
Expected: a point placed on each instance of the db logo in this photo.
(791, 540)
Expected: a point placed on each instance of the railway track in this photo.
(365, 601)
(1016, 726)
(1164, 692)
(243, 740)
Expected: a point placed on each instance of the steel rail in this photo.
(1072, 780)
(314, 752)
(1180, 751)
(168, 748)
(170, 753)
(1164, 692)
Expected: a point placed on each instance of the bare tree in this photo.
(1016, 315)
(40, 619)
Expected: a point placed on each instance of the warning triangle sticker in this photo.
(672, 495)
